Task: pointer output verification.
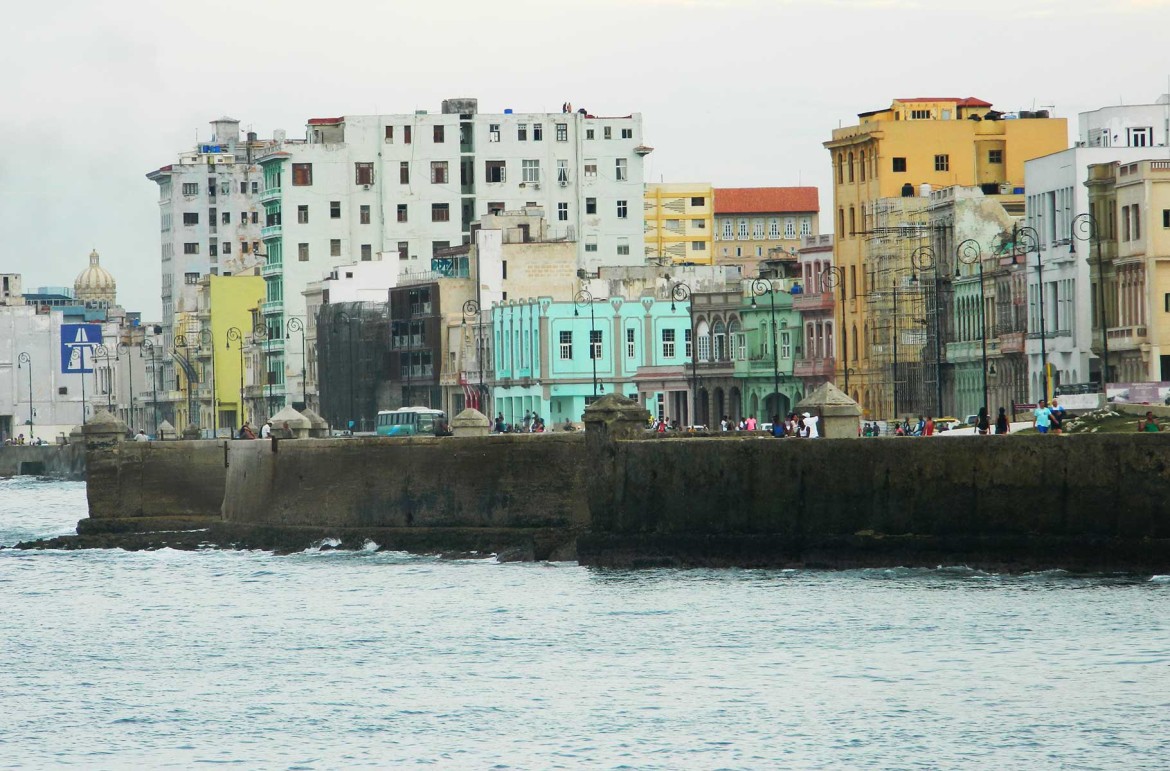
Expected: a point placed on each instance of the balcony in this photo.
(1011, 342)
(822, 301)
(272, 307)
(273, 345)
(1122, 338)
(270, 269)
(269, 194)
(815, 367)
(270, 231)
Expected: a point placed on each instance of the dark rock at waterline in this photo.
(521, 553)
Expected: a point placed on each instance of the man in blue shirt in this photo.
(1042, 417)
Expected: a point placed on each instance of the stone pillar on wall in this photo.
(840, 415)
(471, 422)
(103, 430)
(608, 420)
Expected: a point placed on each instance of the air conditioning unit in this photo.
(522, 184)
(564, 183)
(365, 187)
(535, 185)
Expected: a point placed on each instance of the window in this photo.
(495, 171)
(920, 115)
(364, 214)
(1137, 222)
(438, 172)
(993, 156)
(562, 212)
(630, 333)
(493, 132)
(687, 343)
(521, 132)
(363, 173)
(623, 246)
(226, 248)
(758, 230)
(303, 252)
(899, 164)
(622, 209)
(213, 250)
(243, 188)
(627, 133)
(699, 224)
(406, 135)
(607, 132)
(303, 214)
(191, 247)
(438, 246)
(403, 250)
(743, 230)
(367, 252)
(704, 347)
(589, 133)
(190, 188)
(805, 226)
(566, 339)
(668, 343)
(590, 168)
(302, 174)
(504, 269)
(402, 212)
(256, 247)
(698, 200)
(191, 278)
(590, 243)
(255, 187)
(595, 338)
(254, 217)
(537, 132)
(1166, 218)
(243, 217)
(620, 169)
(562, 132)
(243, 247)
(335, 245)
(698, 246)
(1140, 137)
(727, 228)
(591, 206)
(774, 228)
(190, 218)
(495, 207)
(390, 134)
(785, 345)
(562, 171)
(789, 228)
(942, 163)
(439, 135)
(440, 212)
(335, 210)
(531, 171)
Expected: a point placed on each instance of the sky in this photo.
(732, 92)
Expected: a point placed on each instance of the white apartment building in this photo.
(1127, 125)
(1056, 194)
(405, 186)
(209, 219)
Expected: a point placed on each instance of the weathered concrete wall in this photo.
(157, 479)
(62, 461)
(1032, 493)
(498, 481)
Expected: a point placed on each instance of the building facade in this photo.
(756, 224)
(679, 223)
(1126, 125)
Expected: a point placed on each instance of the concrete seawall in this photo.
(61, 461)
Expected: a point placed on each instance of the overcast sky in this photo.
(734, 92)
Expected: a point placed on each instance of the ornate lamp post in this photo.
(1084, 228)
(470, 312)
(923, 259)
(580, 300)
(759, 287)
(831, 278)
(25, 361)
(106, 354)
(206, 339)
(234, 334)
(680, 292)
(294, 324)
(1025, 240)
(180, 341)
(147, 345)
(969, 252)
(338, 317)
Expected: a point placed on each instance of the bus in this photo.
(410, 421)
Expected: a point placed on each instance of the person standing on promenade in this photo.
(1148, 424)
(928, 428)
(1057, 415)
(751, 423)
(1042, 417)
(1002, 425)
(982, 425)
(777, 427)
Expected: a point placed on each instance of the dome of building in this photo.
(95, 282)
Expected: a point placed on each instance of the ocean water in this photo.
(326, 659)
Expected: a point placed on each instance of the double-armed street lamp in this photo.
(923, 260)
(1084, 228)
(294, 324)
(234, 334)
(831, 278)
(582, 299)
(680, 292)
(343, 316)
(147, 345)
(762, 286)
(1024, 240)
(113, 353)
(471, 312)
(23, 360)
(180, 341)
(206, 339)
(969, 252)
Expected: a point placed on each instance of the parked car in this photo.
(946, 423)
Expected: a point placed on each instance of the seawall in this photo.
(60, 461)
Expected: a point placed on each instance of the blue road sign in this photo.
(77, 344)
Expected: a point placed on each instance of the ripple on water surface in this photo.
(330, 659)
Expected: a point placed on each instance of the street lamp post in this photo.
(340, 315)
(81, 351)
(681, 292)
(1029, 239)
(180, 341)
(147, 345)
(831, 278)
(105, 354)
(923, 259)
(471, 311)
(206, 338)
(580, 300)
(296, 325)
(24, 360)
(969, 252)
(762, 286)
(894, 327)
(1084, 228)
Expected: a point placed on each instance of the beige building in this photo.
(679, 222)
(1131, 205)
(756, 224)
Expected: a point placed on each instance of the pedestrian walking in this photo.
(1042, 417)
(982, 425)
(1002, 425)
(1056, 413)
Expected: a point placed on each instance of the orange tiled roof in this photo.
(765, 200)
(969, 101)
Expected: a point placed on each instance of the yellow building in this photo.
(1131, 205)
(680, 222)
(905, 151)
(225, 303)
(757, 224)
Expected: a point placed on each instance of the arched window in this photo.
(852, 220)
(719, 333)
(810, 338)
(840, 168)
(855, 341)
(862, 165)
(850, 166)
(736, 340)
(703, 330)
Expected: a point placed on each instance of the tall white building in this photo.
(401, 187)
(209, 219)
(1127, 125)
